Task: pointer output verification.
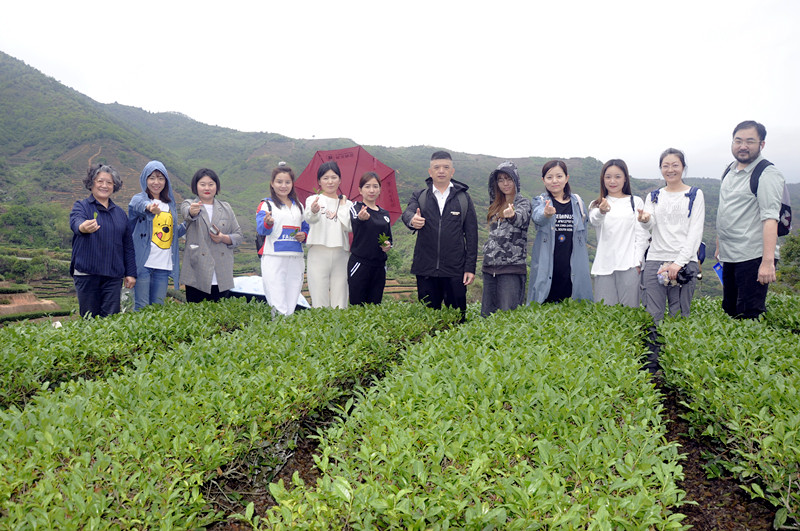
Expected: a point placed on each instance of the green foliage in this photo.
(789, 263)
(37, 357)
(136, 449)
(15, 288)
(538, 418)
(742, 384)
(35, 225)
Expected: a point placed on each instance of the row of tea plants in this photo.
(741, 380)
(135, 449)
(538, 418)
(38, 356)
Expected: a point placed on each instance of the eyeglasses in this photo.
(750, 142)
(675, 166)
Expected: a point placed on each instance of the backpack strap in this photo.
(727, 169)
(633, 206)
(423, 197)
(691, 194)
(756, 175)
(654, 196)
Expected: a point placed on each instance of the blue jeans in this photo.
(151, 287)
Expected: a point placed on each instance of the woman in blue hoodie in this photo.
(151, 214)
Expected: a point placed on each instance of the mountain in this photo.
(49, 134)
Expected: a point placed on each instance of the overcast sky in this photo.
(610, 79)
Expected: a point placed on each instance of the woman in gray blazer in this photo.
(212, 233)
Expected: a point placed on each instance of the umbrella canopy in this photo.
(354, 162)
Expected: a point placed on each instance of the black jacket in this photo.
(447, 245)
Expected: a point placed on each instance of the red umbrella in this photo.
(354, 162)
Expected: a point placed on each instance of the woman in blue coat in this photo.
(560, 258)
(152, 216)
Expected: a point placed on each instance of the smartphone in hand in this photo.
(214, 230)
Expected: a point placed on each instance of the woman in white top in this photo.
(280, 220)
(675, 214)
(621, 240)
(327, 214)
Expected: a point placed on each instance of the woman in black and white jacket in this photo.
(504, 253)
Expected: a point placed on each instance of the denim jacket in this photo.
(544, 246)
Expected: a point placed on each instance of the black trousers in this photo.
(742, 295)
(434, 291)
(196, 295)
(365, 282)
(98, 295)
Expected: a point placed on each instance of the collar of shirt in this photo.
(441, 197)
(749, 168)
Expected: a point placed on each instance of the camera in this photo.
(684, 276)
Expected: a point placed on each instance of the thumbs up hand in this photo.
(549, 209)
(418, 221)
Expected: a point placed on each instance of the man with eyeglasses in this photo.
(747, 225)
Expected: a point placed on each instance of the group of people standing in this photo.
(647, 250)
(142, 246)
(338, 272)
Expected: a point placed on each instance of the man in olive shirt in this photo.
(747, 225)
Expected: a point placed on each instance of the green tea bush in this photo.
(538, 418)
(135, 450)
(37, 356)
(741, 380)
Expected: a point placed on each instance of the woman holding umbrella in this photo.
(327, 214)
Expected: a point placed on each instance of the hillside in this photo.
(50, 133)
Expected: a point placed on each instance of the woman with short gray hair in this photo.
(102, 246)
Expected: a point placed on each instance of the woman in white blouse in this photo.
(675, 214)
(621, 240)
(327, 214)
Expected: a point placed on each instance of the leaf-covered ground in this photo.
(721, 505)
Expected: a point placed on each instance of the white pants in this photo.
(283, 280)
(327, 276)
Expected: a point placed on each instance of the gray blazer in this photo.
(202, 257)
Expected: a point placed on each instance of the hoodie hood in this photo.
(152, 166)
(510, 169)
